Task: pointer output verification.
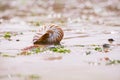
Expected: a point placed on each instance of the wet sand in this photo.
(91, 26)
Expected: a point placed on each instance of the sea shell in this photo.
(51, 34)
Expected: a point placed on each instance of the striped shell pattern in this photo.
(51, 34)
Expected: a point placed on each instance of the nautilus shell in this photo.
(51, 34)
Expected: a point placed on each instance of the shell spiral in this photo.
(51, 34)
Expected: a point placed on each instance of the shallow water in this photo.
(76, 64)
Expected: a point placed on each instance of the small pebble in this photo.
(17, 40)
(9, 39)
(88, 52)
(110, 40)
(21, 33)
(106, 58)
(106, 46)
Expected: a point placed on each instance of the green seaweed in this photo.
(7, 55)
(110, 62)
(7, 35)
(60, 49)
(37, 50)
(23, 76)
(99, 49)
(34, 76)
